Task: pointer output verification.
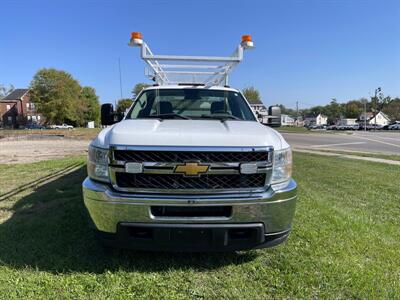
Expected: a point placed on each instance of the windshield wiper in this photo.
(168, 116)
(222, 118)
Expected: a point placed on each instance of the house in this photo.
(319, 120)
(380, 119)
(299, 121)
(257, 106)
(259, 109)
(346, 122)
(16, 110)
(365, 117)
(286, 120)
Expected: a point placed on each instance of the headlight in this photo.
(282, 166)
(97, 165)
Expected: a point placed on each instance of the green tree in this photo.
(56, 95)
(89, 106)
(124, 104)
(4, 91)
(138, 88)
(333, 111)
(392, 109)
(353, 109)
(252, 95)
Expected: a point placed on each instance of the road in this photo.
(374, 142)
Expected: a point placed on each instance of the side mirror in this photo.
(274, 119)
(107, 114)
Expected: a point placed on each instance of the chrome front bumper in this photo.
(108, 208)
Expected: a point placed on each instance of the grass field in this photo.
(345, 242)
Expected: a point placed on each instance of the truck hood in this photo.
(153, 132)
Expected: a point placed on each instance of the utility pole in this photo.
(297, 113)
(365, 115)
(376, 105)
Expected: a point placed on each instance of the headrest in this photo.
(217, 107)
(165, 107)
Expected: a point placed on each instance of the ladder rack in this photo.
(199, 70)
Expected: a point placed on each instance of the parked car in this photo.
(354, 127)
(340, 127)
(371, 127)
(348, 127)
(63, 126)
(34, 126)
(395, 126)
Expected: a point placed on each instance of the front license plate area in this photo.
(191, 236)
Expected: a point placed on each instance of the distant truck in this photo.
(272, 118)
(189, 167)
(62, 126)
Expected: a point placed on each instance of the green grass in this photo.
(293, 129)
(345, 243)
(363, 154)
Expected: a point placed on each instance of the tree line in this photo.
(61, 99)
(351, 109)
(334, 110)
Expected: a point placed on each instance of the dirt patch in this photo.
(26, 151)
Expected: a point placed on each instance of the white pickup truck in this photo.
(189, 168)
(62, 126)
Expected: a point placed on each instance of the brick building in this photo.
(16, 110)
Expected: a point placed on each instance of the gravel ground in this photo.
(26, 151)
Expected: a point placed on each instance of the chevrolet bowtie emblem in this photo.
(191, 169)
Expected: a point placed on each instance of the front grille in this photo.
(182, 156)
(177, 181)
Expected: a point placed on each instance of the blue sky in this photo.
(306, 51)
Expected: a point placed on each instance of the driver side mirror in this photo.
(109, 116)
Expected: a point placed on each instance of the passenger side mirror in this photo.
(107, 114)
(274, 119)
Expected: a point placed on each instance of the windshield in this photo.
(191, 104)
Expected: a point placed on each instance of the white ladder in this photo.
(191, 70)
